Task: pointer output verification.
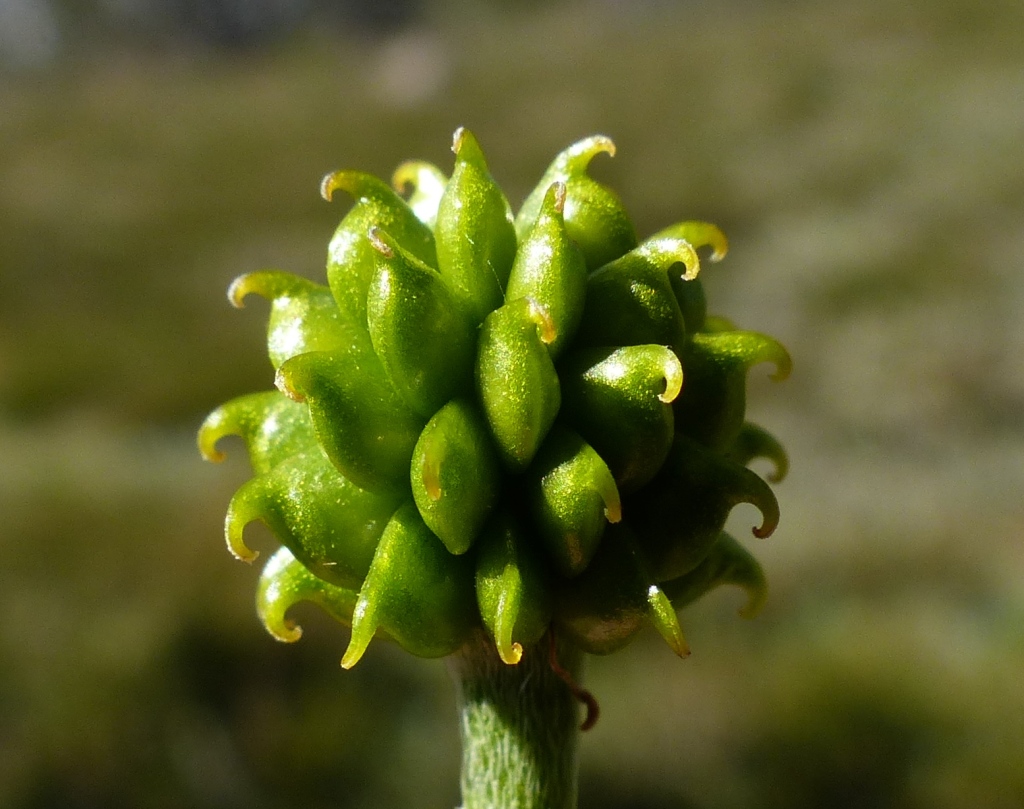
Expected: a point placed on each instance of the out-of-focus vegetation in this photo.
(865, 160)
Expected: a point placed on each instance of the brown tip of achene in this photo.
(212, 455)
(355, 183)
(237, 518)
(209, 434)
(559, 200)
(432, 477)
(673, 379)
(327, 186)
(540, 316)
(770, 513)
(376, 237)
(283, 384)
(580, 693)
(595, 145)
(467, 149)
(457, 137)
(512, 655)
(770, 521)
(239, 288)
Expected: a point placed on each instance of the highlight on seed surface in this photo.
(498, 422)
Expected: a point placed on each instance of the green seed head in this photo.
(514, 423)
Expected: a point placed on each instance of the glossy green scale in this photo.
(595, 217)
(351, 258)
(272, 426)
(476, 241)
(361, 423)
(516, 379)
(712, 406)
(455, 474)
(512, 587)
(630, 301)
(571, 495)
(619, 401)
(689, 292)
(303, 314)
(603, 608)
(421, 333)
(285, 582)
(415, 591)
(679, 515)
(549, 269)
(326, 521)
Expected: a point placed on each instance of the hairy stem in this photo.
(519, 727)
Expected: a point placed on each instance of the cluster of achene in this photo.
(498, 422)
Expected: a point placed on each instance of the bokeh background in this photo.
(866, 160)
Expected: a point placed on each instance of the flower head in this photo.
(498, 421)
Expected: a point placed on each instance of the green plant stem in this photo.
(519, 727)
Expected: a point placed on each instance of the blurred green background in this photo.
(866, 160)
